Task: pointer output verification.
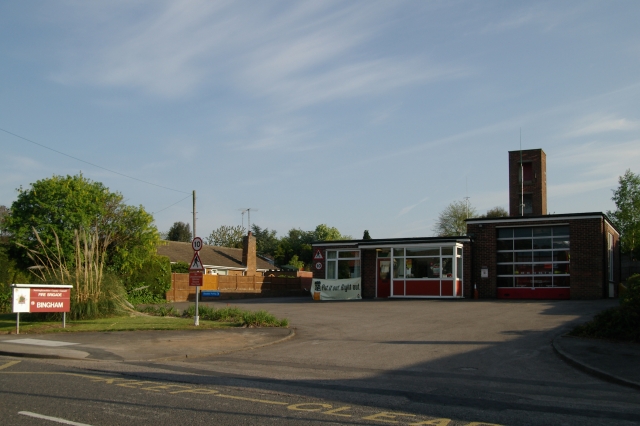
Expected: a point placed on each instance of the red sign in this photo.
(50, 300)
(195, 279)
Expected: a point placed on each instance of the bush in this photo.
(180, 268)
(619, 323)
(237, 315)
(154, 276)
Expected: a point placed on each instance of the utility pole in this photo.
(521, 178)
(196, 316)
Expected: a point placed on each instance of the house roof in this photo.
(211, 256)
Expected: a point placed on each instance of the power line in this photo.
(94, 165)
(188, 196)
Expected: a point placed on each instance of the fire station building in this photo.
(527, 255)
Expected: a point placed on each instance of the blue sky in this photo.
(361, 115)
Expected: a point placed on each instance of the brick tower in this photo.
(528, 184)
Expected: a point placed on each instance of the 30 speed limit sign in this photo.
(196, 244)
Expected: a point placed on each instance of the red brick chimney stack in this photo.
(249, 254)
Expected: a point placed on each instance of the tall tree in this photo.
(626, 217)
(299, 243)
(451, 221)
(496, 212)
(266, 240)
(179, 231)
(59, 206)
(366, 235)
(226, 236)
(4, 212)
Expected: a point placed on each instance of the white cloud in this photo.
(300, 54)
(597, 123)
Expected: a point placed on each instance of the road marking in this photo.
(316, 407)
(52, 419)
(244, 398)
(40, 342)
(9, 364)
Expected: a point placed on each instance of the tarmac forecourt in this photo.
(321, 407)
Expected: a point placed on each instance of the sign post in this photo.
(195, 274)
(41, 298)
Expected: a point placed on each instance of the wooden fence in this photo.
(235, 287)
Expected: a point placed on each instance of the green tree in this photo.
(266, 240)
(299, 243)
(366, 235)
(179, 231)
(4, 213)
(227, 236)
(626, 217)
(60, 206)
(451, 221)
(496, 212)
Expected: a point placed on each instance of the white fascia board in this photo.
(42, 285)
(537, 219)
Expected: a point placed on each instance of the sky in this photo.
(357, 114)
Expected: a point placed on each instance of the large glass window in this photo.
(343, 264)
(533, 257)
(420, 263)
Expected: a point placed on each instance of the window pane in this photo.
(348, 254)
(459, 268)
(420, 267)
(542, 256)
(331, 269)
(447, 251)
(348, 269)
(561, 230)
(542, 269)
(524, 282)
(331, 254)
(505, 257)
(561, 256)
(542, 244)
(459, 251)
(522, 244)
(522, 269)
(505, 282)
(398, 252)
(384, 253)
(505, 244)
(543, 281)
(447, 267)
(523, 256)
(560, 268)
(521, 232)
(561, 281)
(398, 268)
(542, 232)
(505, 269)
(423, 252)
(560, 243)
(505, 233)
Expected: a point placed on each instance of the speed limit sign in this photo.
(196, 244)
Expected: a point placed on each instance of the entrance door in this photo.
(384, 278)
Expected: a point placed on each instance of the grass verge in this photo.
(163, 317)
(31, 325)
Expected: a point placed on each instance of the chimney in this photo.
(527, 183)
(249, 254)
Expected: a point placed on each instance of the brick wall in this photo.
(368, 261)
(483, 249)
(537, 187)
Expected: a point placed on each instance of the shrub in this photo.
(619, 323)
(237, 315)
(180, 268)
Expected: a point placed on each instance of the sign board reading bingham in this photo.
(41, 299)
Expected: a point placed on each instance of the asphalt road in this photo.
(369, 362)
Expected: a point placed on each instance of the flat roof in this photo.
(393, 241)
(540, 218)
